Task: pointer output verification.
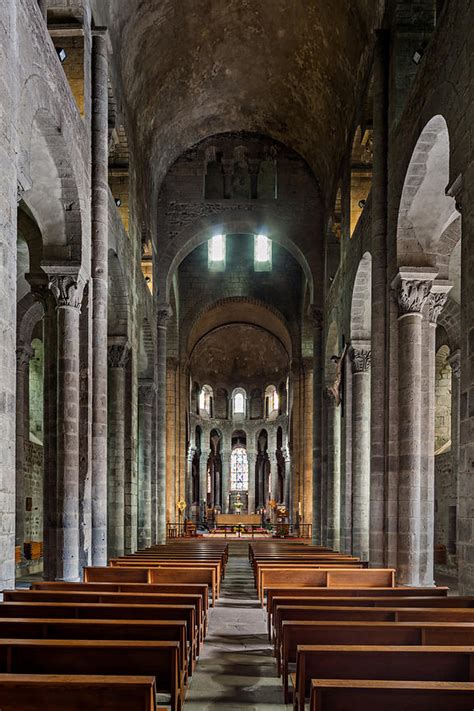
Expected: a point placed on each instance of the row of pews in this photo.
(347, 637)
(127, 638)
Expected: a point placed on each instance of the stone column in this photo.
(217, 480)
(252, 458)
(203, 457)
(333, 491)
(272, 456)
(455, 362)
(360, 356)
(146, 396)
(23, 355)
(317, 318)
(254, 167)
(436, 301)
(67, 290)
(99, 266)
(163, 315)
(413, 287)
(189, 480)
(118, 355)
(8, 270)
(42, 294)
(227, 169)
(465, 512)
(226, 461)
(287, 480)
(378, 386)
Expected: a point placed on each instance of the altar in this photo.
(238, 519)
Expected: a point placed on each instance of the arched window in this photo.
(239, 470)
(205, 401)
(271, 401)
(239, 398)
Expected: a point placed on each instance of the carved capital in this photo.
(41, 292)
(436, 302)
(146, 391)
(67, 290)
(118, 354)
(23, 356)
(163, 314)
(361, 359)
(412, 295)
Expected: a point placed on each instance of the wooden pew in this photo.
(96, 657)
(157, 588)
(111, 598)
(339, 695)
(153, 575)
(69, 629)
(288, 568)
(177, 621)
(381, 601)
(336, 578)
(368, 633)
(183, 565)
(288, 613)
(53, 692)
(394, 663)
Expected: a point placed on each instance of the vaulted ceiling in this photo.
(290, 69)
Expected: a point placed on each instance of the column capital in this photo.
(412, 287)
(437, 299)
(67, 289)
(118, 352)
(361, 357)
(191, 453)
(316, 315)
(23, 355)
(254, 165)
(146, 390)
(163, 314)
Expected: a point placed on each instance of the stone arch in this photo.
(51, 189)
(250, 221)
(361, 314)
(118, 298)
(425, 211)
(240, 310)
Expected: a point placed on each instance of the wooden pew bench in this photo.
(177, 621)
(381, 601)
(332, 695)
(330, 578)
(97, 657)
(368, 633)
(261, 568)
(53, 692)
(153, 575)
(68, 629)
(363, 662)
(111, 598)
(156, 588)
(288, 613)
(150, 561)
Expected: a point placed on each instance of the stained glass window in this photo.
(239, 470)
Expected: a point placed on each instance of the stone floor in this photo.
(236, 670)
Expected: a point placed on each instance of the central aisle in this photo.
(236, 670)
